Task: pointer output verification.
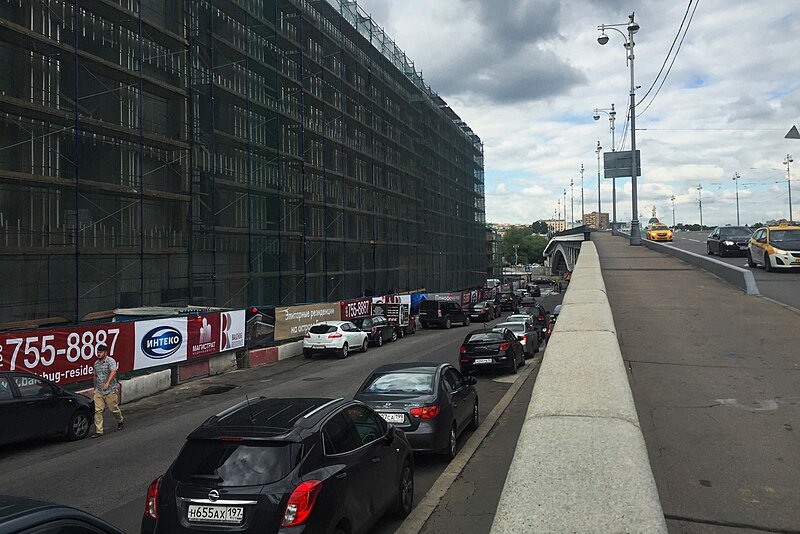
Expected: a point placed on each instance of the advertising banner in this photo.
(445, 297)
(416, 298)
(260, 326)
(66, 355)
(232, 330)
(353, 309)
(294, 321)
(160, 342)
(380, 307)
(204, 334)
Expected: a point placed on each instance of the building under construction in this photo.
(223, 152)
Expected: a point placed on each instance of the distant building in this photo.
(590, 219)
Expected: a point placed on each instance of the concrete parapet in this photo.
(581, 464)
(290, 350)
(222, 363)
(143, 386)
(741, 278)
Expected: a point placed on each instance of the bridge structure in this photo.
(563, 248)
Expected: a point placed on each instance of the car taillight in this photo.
(334, 335)
(301, 502)
(462, 349)
(151, 501)
(504, 346)
(524, 338)
(373, 329)
(465, 360)
(541, 318)
(308, 334)
(425, 412)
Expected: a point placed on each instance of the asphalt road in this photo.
(109, 477)
(783, 286)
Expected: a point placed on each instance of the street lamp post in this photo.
(632, 27)
(700, 201)
(672, 198)
(572, 201)
(599, 149)
(612, 117)
(583, 210)
(786, 162)
(736, 182)
(565, 208)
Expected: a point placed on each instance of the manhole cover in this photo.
(313, 379)
(216, 390)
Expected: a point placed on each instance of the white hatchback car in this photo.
(334, 336)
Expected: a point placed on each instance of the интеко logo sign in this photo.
(161, 342)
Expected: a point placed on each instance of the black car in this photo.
(431, 402)
(534, 290)
(32, 407)
(285, 465)
(539, 314)
(378, 329)
(441, 313)
(507, 301)
(482, 311)
(20, 515)
(527, 335)
(728, 240)
(551, 323)
(485, 349)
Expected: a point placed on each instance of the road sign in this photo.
(618, 164)
(793, 133)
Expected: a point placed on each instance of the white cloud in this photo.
(526, 75)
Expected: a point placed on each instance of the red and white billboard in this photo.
(353, 309)
(66, 355)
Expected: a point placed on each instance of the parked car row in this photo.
(340, 337)
(314, 464)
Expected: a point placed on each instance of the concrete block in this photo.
(222, 363)
(583, 374)
(576, 474)
(263, 356)
(290, 350)
(580, 317)
(143, 386)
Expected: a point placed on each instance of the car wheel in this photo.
(750, 262)
(767, 263)
(405, 491)
(708, 250)
(476, 417)
(365, 345)
(452, 444)
(344, 351)
(447, 322)
(78, 427)
(721, 252)
(394, 335)
(513, 367)
(378, 339)
(414, 328)
(401, 332)
(466, 321)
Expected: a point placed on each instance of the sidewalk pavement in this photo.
(715, 375)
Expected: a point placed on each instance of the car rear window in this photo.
(401, 382)
(322, 329)
(514, 327)
(232, 463)
(362, 322)
(482, 337)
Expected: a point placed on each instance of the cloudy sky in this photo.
(526, 75)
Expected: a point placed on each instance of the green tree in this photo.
(530, 248)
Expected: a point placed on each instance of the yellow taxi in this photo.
(658, 232)
(775, 247)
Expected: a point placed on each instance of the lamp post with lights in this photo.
(786, 162)
(612, 117)
(672, 198)
(632, 27)
(736, 182)
(700, 202)
(599, 149)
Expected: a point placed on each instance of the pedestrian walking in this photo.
(105, 390)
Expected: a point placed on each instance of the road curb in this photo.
(416, 520)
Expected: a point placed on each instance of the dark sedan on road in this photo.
(482, 311)
(487, 349)
(378, 329)
(32, 407)
(728, 240)
(507, 301)
(432, 403)
(19, 515)
(284, 465)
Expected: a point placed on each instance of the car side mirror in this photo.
(389, 436)
(471, 380)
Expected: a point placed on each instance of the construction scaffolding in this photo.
(223, 152)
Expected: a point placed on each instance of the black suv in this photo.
(378, 329)
(285, 465)
(441, 313)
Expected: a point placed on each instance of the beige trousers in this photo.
(101, 402)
